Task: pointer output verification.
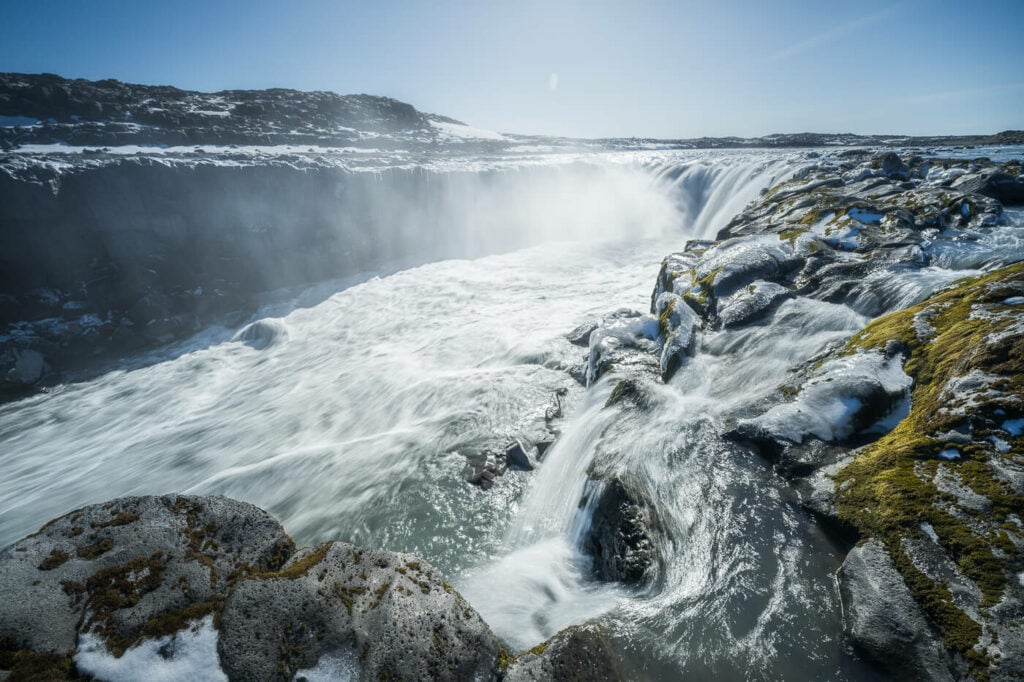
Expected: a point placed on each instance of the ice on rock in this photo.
(837, 233)
(834, 403)
(1014, 427)
(680, 333)
(865, 216)
(617, 334)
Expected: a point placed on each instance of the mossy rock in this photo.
(129, 569)
(389, 615)
(582, 653)
(889, 490)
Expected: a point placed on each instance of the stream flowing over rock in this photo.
(436, 355)
(905, 435)
(135, 570)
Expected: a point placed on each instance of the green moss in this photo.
(379, 593)
(120, 587)
(629, 390)
(540, 648)
(665, 318)
(56, 558)
(24, 665)
(887, 491)
(119, 519)
(811, 217)
(791, 234)
(96, 549)
(178, 619)
(298, 568)
(348, 595)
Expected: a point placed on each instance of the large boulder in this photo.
(882, 619)
(387, 614)
(581, 653)
(999, 185)
(621, 539)
(116, 589)
(133, 567)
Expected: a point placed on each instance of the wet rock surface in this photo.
(142, 568)
(523, 451)
(882, 619)
(907, 437)
(624, 343)
(621, 539)
(581, 653)
(390, 613)
(131, 568)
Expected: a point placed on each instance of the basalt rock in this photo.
(622, 535)
(908, 436)
(1002, 186)
(581, 653)
(131, 568)
(483, 468)
(623, 342)
(143, 568)
(883, 620)
(390, 614)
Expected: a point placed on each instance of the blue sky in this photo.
(645, 68)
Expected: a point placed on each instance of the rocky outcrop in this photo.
(581, 653)
(389, 614)
(621, 539)
(134, 568)
(145, 568)
(146, 576)
(109, 112)
(909, 437)
(884, 621)
(939, 491)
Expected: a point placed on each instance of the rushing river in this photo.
(351, 418)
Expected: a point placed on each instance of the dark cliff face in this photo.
(138, 253)
(109, 112)
(129, 253)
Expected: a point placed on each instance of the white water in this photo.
(352, 419)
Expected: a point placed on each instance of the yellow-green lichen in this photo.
(889, 489)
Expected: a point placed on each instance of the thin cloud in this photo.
(832, 34)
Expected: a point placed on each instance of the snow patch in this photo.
(187, 655)
(466, 132)
(837, 233)
(928, 530)
(950, 455)
(828, 402)
(331, 668)
(865, 216)
(999, 444)
(1014, 300)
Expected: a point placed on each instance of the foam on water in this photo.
(347, 410)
